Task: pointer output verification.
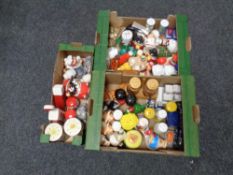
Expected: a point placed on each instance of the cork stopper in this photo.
(135, 83)
(152, 84)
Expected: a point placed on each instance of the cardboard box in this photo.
(73, 49)
(191, 112)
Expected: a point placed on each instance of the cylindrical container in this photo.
(58, 96)
(150, 22)
(159, 100)
(150, 87)
(143, 123)
(164, 23)
(72, 127)
(134, 84)
(126, 36)
(171, 106)
(55, 131)
(161, 115)
(160, 128)
(173, 119)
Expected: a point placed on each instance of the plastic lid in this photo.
(129, 121)
(152, 84)
(117, 114)
(127, 35)
(135, 82)
(133, 139)
(161, 114)
(150, 21)
(149, 113)
(116, 126)
(164, 23)
(72, 127)
(55, 131)
(171, 106)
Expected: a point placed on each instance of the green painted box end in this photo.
(77, 140)
(190, 127)
(81, 48)
(44, 138)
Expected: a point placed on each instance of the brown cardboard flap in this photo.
(42, 127)
(188, 44)
(130, 72)
(172, 21)
(76, 44)
(115, 20)
(196, 114)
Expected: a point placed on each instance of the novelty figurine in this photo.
(77, 89)
(120, 94)
(70, 73)
(116, 139)
(72, 103)
(130, 99)
(137, 63)
(72, 62)
(82, 112)
(153, 141)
